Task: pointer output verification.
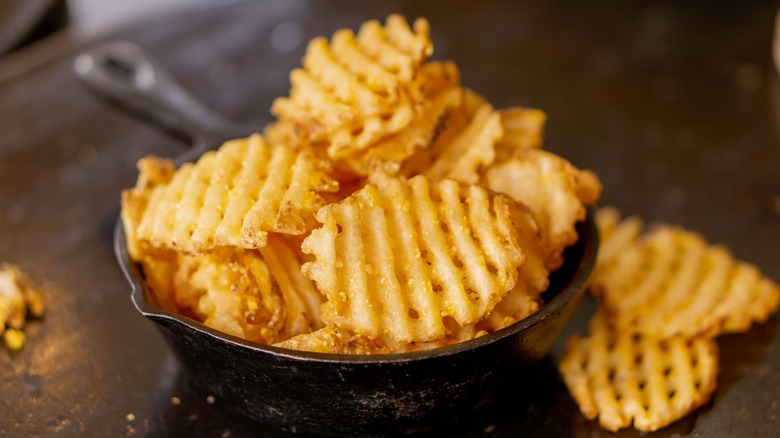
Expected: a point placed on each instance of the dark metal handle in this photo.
(125, 74)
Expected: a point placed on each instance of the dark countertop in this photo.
(675, 106)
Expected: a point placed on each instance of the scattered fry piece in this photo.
(672, 282)
(649, 357)
(19, 301)
(623, 377)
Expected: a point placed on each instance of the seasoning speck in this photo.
(130, 416)
(175, 401)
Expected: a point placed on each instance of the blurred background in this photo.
(675, 105)
(26, 21)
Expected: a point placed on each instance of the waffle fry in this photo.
(439, 82)
(615, 233)
(302, 300)
(153, 172)
(159, 267)
(399, 259)
(259, 295)
(231, 197)
(533, 277)
(466, 143)
(237, 295)
(457, 334)
(665, 295)
(671, 282)
(523, 128)
(553, 189)
(355, 90)
(623, 377)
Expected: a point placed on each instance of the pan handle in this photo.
(128, 76)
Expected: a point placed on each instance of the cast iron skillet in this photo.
(313, 392)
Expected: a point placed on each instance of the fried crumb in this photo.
(19, 301)
(176, 401)
(14, 339)
(130, 417)
(210, 400)
(490, 429)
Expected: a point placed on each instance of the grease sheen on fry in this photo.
(399, 259)
(671, 281)
(553, 189)
(623, 377)
(355, 89)
(232, 196)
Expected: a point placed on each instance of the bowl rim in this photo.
(588, 238)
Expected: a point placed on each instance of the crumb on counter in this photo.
(14, 339)
(19, 301)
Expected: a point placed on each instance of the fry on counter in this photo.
(19, 301)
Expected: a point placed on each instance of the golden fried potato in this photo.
(302, 301)
(259, 295)
(457, 334)
(615, 233)
(623, 377)
(159, 267)
(236, 293)
(672, 282)
(553, 189)
(439, 82)
(231, 197)
(18, 302)
(334, 339)
(399, 258)
(519, 304)
(354, 90)
(523, 128)
(533, 277)
(464, 145)
(153, 173)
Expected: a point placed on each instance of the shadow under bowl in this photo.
(338, 394)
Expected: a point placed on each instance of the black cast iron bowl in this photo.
(320, 393)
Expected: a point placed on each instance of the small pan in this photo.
(319, 393)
